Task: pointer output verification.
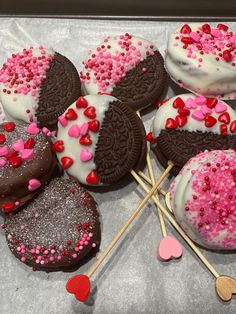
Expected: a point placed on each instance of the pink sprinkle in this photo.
(63, 121)
(23, 259)
(2, 162)
(59, 257)
(94, 245)
(74, 255)
(51, 258)
(194, 36)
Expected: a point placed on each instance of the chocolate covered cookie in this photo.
(127, 67)
(99, 140)
(26, 163)
(57, 230)
(187, 124)
(37, 85)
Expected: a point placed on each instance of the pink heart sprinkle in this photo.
(194, 36)
(190, 103)
(63, 121)
(169, 248)
(233, 39)
(84, 129)
(85, 155)
(33, 129)
(2, 162)
(3, 151)
(220, 107)
(27, 154)
(200, 100)
(198, 115)
(33, 184)
(18, 146)
(216, 32)
(206, 110)
(74, 131)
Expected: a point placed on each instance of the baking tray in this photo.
(131, 279)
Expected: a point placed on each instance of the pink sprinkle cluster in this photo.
(110, 67)
(214, 200)
(24, 72)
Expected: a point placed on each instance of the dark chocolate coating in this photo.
(51, 221)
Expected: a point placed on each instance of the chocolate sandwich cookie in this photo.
(127, 67)
(99, 140)
(27, 162)
(57, 230)
(37, 85)
(188, 124)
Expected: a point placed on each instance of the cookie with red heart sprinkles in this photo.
(27, 162)
(57, 230)
(99, 140)
(187, 124)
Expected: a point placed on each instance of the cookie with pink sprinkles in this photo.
(203, 197)
(127, 67)
(37, 85)
(202, 58)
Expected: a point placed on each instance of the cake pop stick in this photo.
(225, 286)
(80, 284)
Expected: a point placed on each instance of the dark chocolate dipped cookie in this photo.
(57, 230)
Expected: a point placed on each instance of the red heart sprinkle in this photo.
(186, 29)
(71, 114)
(181, 120)
(94, 125)
(210, 121)
(223, 130)
(178, 103)
(92, 178)
(224, 117)
(9, 126)
(90, 112)
(79, 285)
(206, 28)
(15, 161)
(227, 56)
(66, 162)
(211, 102)
(171, 124)
(29, 144)
(187, 40)
(150, 138)
(184, 112)
(85, 140)
(12, 153)
(223, 27)
(8, 207)
(233, 127)
(58, 146)
(81, 102)
(2, 138)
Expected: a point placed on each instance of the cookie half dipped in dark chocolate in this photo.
(57, 230)
(187, 124)
(38, 85)
(100, 140)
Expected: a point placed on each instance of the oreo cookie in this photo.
(38, 85)
(57, 230)
(127, 67)
(100, 140)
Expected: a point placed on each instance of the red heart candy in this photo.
(15, 161)
(66, 162)
(71, 114)
(210, 121)
(92, 178)
(150, 138)
(9, 126)
(12, 153)
(81, 103)
(171, 124)
(79, 285)
(29, 144)
(206, 28)
(2, 138)
(187, 40)
(211, 102)
(223, 130)
(183, 112)
(233, 127)
(178, 103)
(85, 140)
(94, 125)
(90, 112)
(58, 146)
(181, 120)
(227, 56)
(223, 27)
(8, 207)
(224, 117)
(186, 29)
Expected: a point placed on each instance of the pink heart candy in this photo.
(190, 103)
(33, 129)
(84, 129)
(3, 151)
(198, 115)
(18, 145)
(200, 100)
(169, 248)
(194, 36)
(216, 32)
(85, 155)
(74, 131)
(33, 184)
(2, 162)
(220, 107)
(233, 39)
(206, 110)
(62, 120)
(27, 154)
(46, 131)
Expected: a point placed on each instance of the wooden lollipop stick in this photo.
(132, 217)
(179, 229)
